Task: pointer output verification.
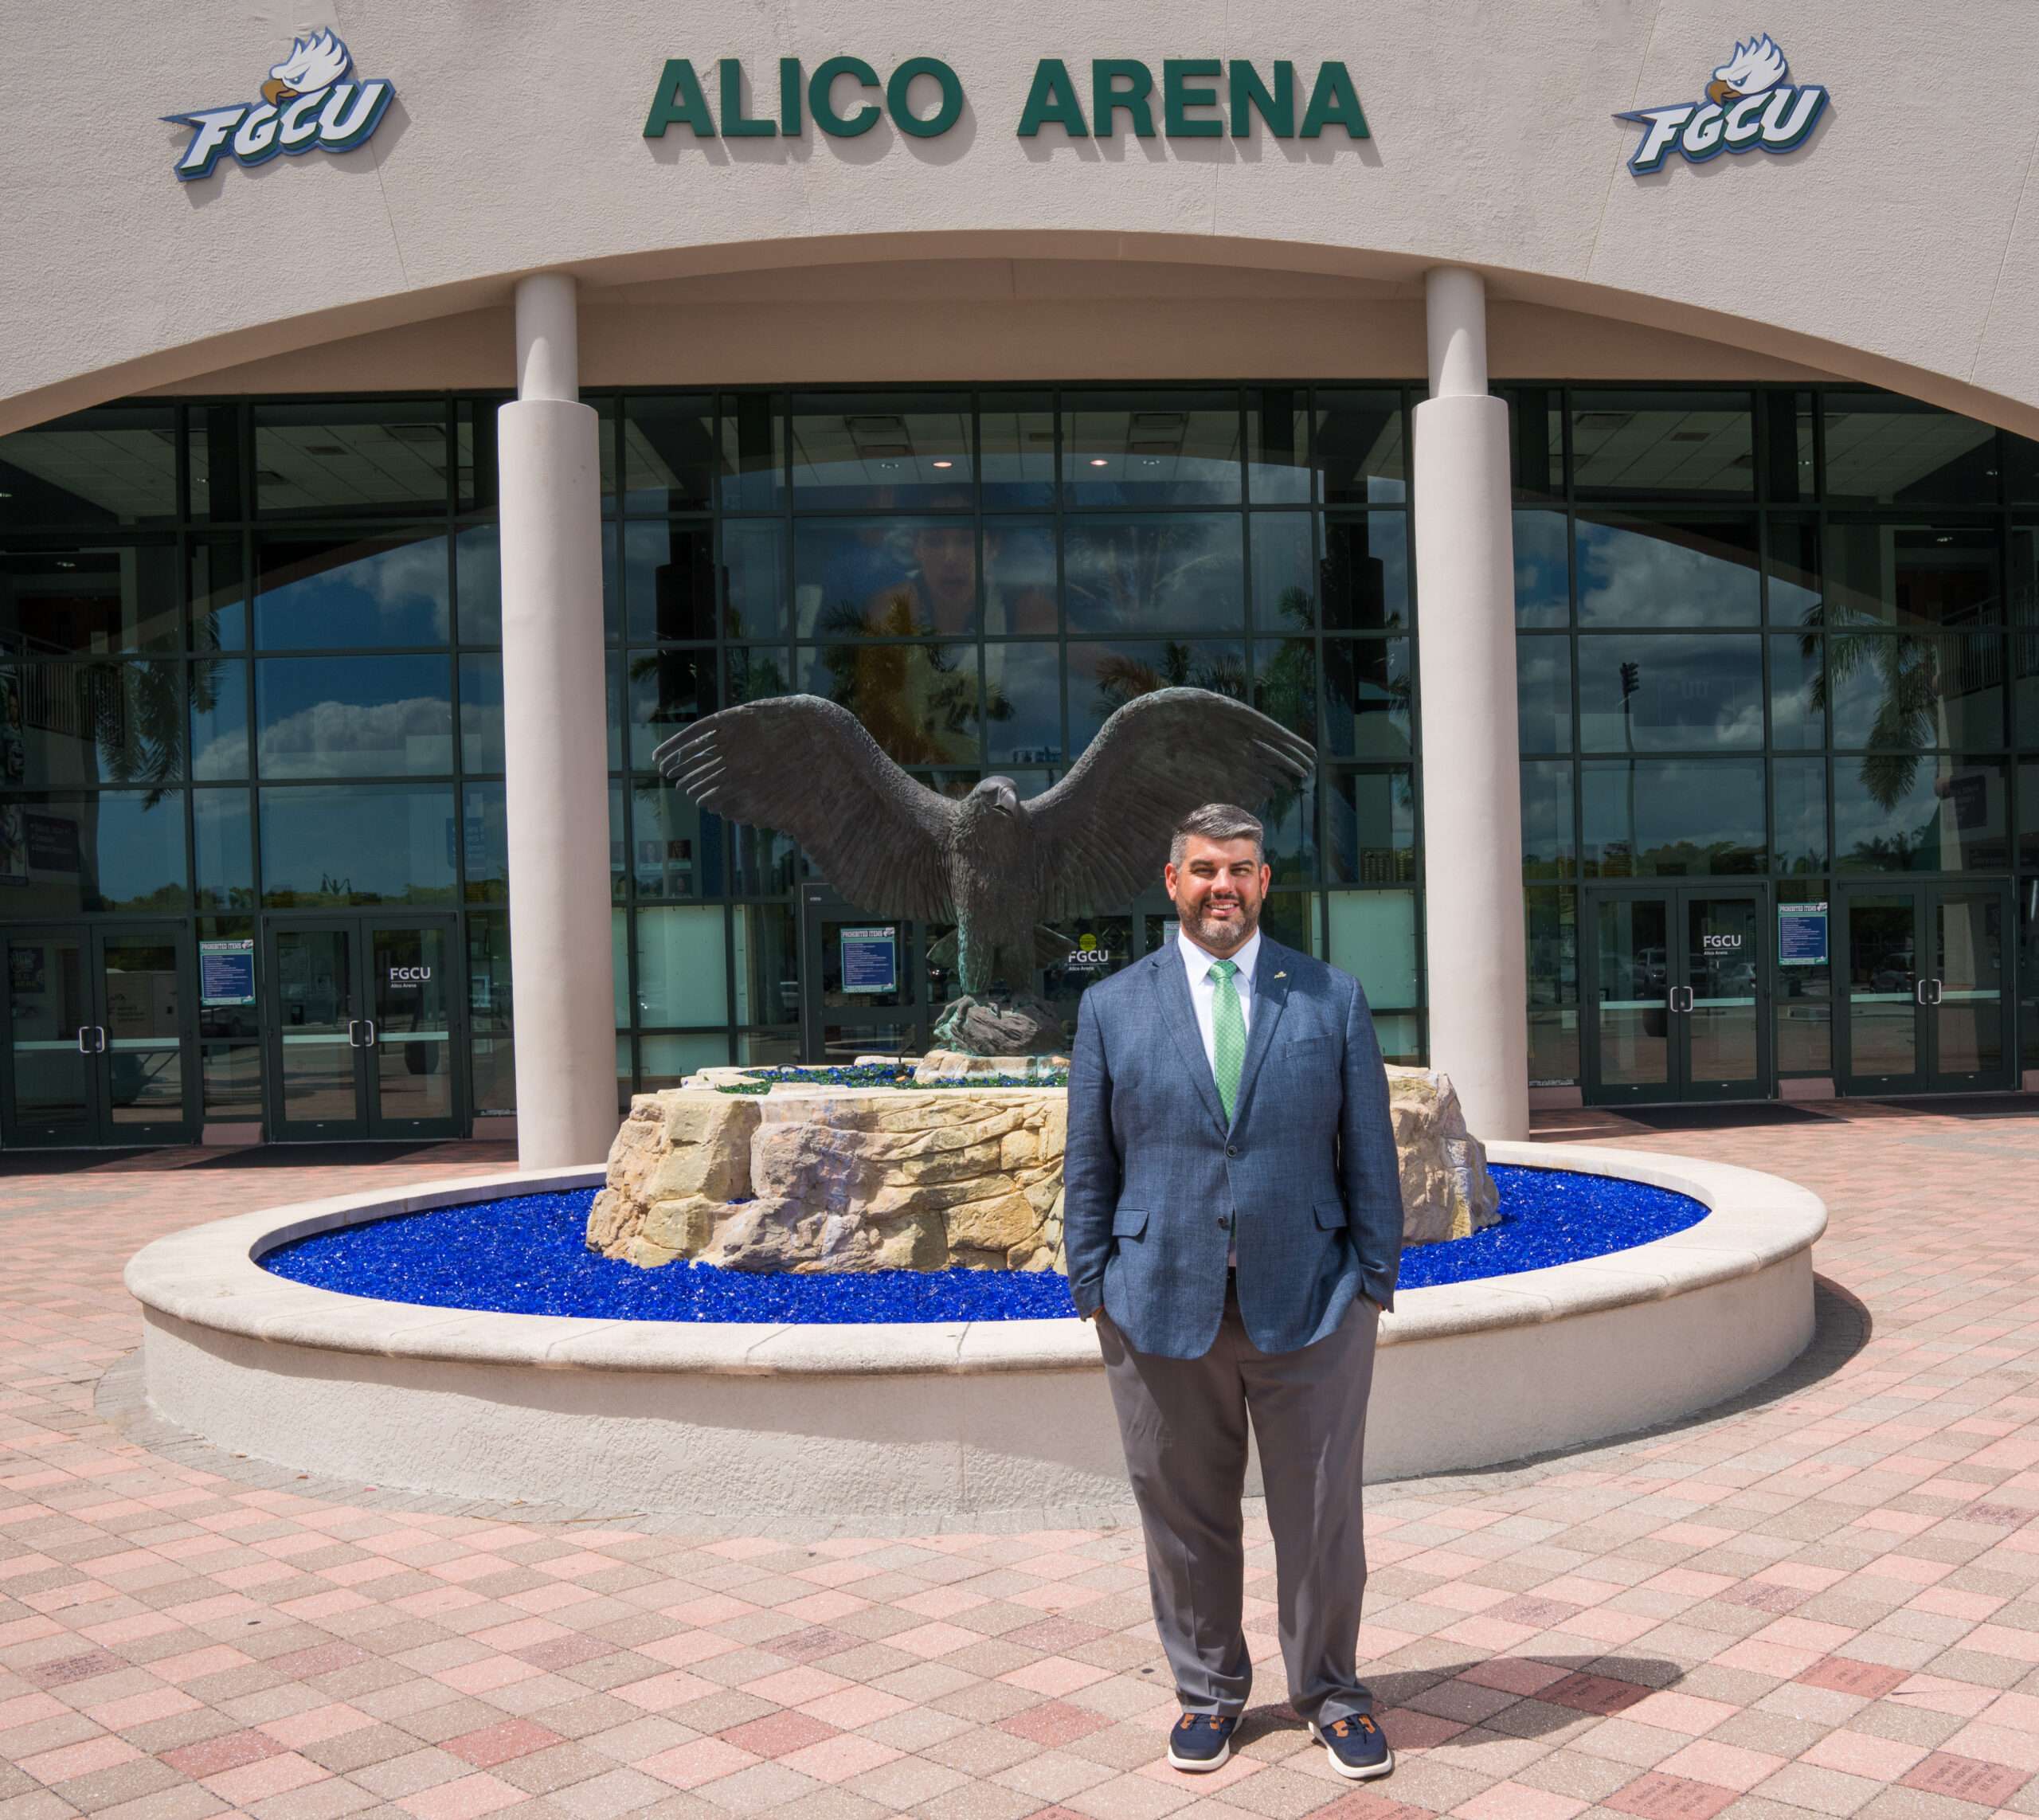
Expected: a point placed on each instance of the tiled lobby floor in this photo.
(1823, 1601)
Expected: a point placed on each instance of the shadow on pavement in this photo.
(1579, 1685)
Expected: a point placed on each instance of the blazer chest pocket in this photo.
(1129, 1222)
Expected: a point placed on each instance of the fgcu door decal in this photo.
(1751, 105)
(310, 103)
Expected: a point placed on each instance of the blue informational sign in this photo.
(226, 973)
(1802, 935)
(871, 961)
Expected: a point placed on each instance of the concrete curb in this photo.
(486, 1404)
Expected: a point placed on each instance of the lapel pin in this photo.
(1280, 976)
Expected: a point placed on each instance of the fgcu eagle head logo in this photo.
(1750, 106)
(307, 103)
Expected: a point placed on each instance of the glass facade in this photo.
(1785, 635)
(251, 675)
(1778, 647)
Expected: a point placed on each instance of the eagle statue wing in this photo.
(805, 767)
(1103, 831)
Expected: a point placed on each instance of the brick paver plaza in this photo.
(1823, 1600)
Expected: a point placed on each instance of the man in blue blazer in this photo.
(1232, 1214)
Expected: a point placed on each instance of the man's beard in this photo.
(1228, 934)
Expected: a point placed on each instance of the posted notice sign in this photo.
(871, 960)
(1801, 935)
(226, 973)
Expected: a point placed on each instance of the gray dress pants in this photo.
(1184, 1421)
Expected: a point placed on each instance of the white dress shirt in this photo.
(1202, 989)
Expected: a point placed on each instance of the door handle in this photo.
(100, 1030)
(1938, 986)
(354, 1033)
(84, 1029)
(370, 1043)
(1678, 999)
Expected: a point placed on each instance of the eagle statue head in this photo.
(1754, 67)
(316, 62)
(994, 796)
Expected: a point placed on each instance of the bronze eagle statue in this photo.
(993, 865)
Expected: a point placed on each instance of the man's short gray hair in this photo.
(1218, 821)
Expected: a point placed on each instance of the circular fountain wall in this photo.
(735, 1419)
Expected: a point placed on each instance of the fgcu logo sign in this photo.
(307, 103)
(1750, 106)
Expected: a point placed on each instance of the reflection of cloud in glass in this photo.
(413, 734)
(1696, 693)
(1543, 693)
(394, 595)
(1543, 585)
(1630, 574)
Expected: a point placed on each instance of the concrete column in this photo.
(1471, 777)
(556, 741)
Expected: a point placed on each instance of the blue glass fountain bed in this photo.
(526, 1255)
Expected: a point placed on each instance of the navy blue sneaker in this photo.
(1201, 1741)
(1356, 1745)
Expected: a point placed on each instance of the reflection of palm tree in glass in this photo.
(1911, 715)
(916, 701)
(1126, 582)
(137, 713)
(1121, 677)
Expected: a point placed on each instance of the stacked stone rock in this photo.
(809, 1178)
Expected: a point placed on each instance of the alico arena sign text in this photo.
(1184, 98)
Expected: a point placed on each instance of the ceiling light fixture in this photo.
(1097, 461)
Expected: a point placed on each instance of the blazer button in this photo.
(1224, 1223)
(1231, 1149)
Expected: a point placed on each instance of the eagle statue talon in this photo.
(997, 866)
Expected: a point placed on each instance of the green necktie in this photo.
(1228, 1025)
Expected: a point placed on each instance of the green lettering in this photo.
(1249, 96)
(736, 124)
(791, 122)
(678, 102)
(1051, 101)
(1178, 97)
(1334, 102)
(1107, 98)
(897, 93)
(838, 126)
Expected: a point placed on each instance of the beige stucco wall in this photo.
(1898, 246)
(987, 320)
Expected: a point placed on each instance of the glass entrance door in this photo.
(862, 992)
(99, 1050)
(144, 1046)
(410, 1045)
(1679, 995)
(1927, 1002)
(364, 1040)
(1725, 1018)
